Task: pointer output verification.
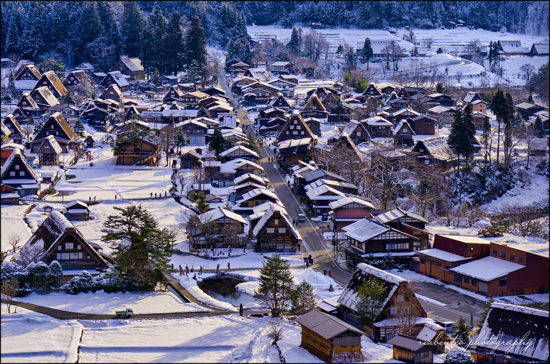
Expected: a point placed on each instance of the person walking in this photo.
(181, 270)
(241, 309)
(325, 272)
(228, 266)
(218, 268)
(330, 273)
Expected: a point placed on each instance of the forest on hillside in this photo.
(99, 32)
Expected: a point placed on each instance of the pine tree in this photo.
(196, 43)
(370, 300)
(303, 298)
(486, 132)
(486, 309)
(217, 142)
(367, 51)
(539, 128)
(154, 50)
(131, 27)
(461, 136)
(461, 332)
(295, 43)
(174, 43)
(458, 355)
(56, 274)
(79, 128)
(252, 144)
(275, 284)
(509, 123)
(498, 107)
(203, 112)
(141, 248)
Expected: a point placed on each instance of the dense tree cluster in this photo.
(160, 33)
(515, 16)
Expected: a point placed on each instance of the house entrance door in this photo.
(482, 287)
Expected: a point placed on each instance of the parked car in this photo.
(301, 217)
(447, 325)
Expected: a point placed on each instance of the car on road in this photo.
(301, 217)
(447, 325)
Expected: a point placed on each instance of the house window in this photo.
(270, 230)
(502, 282)
(520, 259)
(12, 174)
(393, 310)
(302, 132)
(282, 230)
(69, 246)
(494, 252)
(512, 256)
(59, 247)
(22, 174)
(447, 267)
(17, 167)
(502, 254)
(78, 246)
(474, 282)
(422, 261)
(295, 132)
(466, 280)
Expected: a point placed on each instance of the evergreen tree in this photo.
(252, 144)
(56, 274)
(79, 128)
(303, 298)
(141, 248)
(282, 56)
(131, 27)
(486, 132)
(295, 43)
(486, 309)
(174, 44)
(154, 50)
(240, 49)
(461, 136)
(461, 332)
(367, 51)
(196, 43)
(275, 284)
(217, 142)
(203, 112)
(498, 107)
(458, 355)
(370, 300)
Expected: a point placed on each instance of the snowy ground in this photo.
(12, 224)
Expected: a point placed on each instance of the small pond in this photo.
(223, 289)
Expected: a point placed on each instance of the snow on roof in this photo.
(377, 121)
(348, 200)
(511, 46)
(397, 214)
(256, 192)
(240, 148)
(466, 239)
(330, 183)
(507, 325)
(396, 322)
(443, 255)
(53, 143)
(219, 212)
(272, 208)
(293, 143)
(325, 325)
(400, 125)
(365, 229)
(245, 176)
(439, 109)
(541, 48)
(486, 269)
(119, 78)
(17, 153)
(318, 193)
(232, 165)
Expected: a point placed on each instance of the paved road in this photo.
(241, 115)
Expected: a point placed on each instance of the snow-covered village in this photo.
(275, 181)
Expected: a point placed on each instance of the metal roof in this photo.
(325, 325)
(406, 342)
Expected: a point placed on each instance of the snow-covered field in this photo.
(13, 225)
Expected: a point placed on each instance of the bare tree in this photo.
(346, 162)
(425, 193)
(406, 312)
(373, 105)
(527, 70)
(528, 136)
(429, 42)
(14, 240)
(314, 45)
(9, 290)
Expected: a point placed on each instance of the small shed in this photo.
(77, 211)
(411, 350)
(329, 338)
(90, 141)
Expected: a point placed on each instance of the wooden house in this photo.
(18, 174)
(28, 72)
(434, 335)
(295, 128)
(259, 72)
(471, 97)
(112, 92)
(280, 102)
(275, 231)
(117, 78)
(357, 131)
(229, 63)
(411, 350)
(423, 125)
(212, 91)
(286, 87)
(57, 126)
(264, 92)
(400, 301)
(54, 84)
(510, 47)
(77, 211)
(97, 112)
(175, 93)
(44, 98)
(403, 134)
(49, 151)
(479, 106)
(138, 153)
(308, 176)
(315, 125)
(512, 334)
(273, 125)
(348, 210)
(88, 68)
(329, 338)
(97, 77)
(527, 109)
(90, 141)
(250, 177)
(75, 77)
(241, 82)
(16, 131)
(404, 112)
(252, 199)
(292, 151)
(196, 131)
(219, 228)
(345, 187)
(70, 113)
(378, 127)
(191, 160)
(131, 67)
(239, 151)
(369, 238)
(539, 49)
(238, 68)
(6, 133)
(314, 108)
(407, 222)
(270, 113)
(371, 91)
(440, 99)
(282, 68)
(319, 199)
(28, 108)
(58, 239)
(435, 152)
(8, 195)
